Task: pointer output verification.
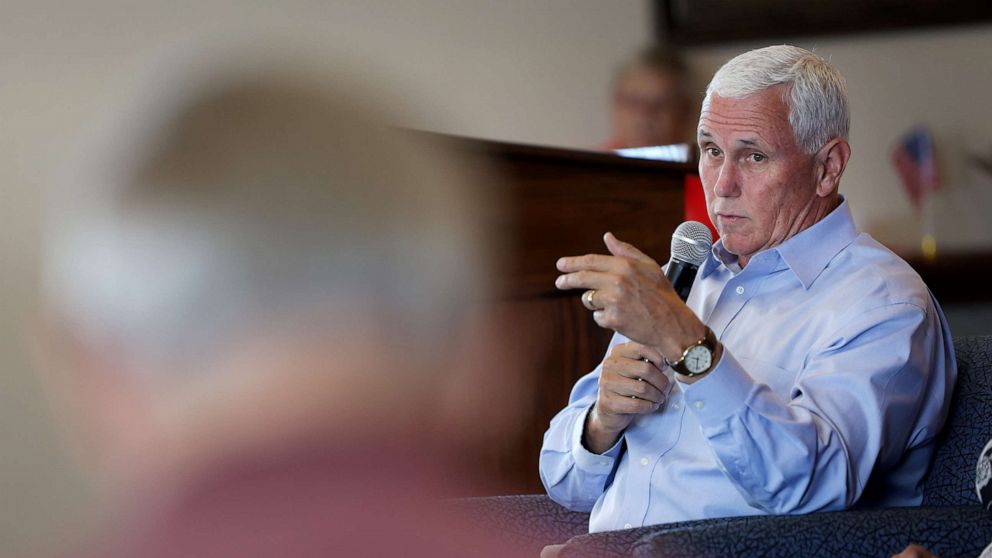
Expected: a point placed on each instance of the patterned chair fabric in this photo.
(948, 531)
(617, 544)
(530, 521)
(951, 479)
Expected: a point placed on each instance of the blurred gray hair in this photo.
(817, 93)
(257, 197)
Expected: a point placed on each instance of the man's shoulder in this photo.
(871, 274)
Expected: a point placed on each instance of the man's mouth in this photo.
(729, 218)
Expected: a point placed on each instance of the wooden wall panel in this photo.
(559, 203)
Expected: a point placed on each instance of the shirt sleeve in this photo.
(855, 403)
(573, 476)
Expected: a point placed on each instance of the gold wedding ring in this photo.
(587, 300)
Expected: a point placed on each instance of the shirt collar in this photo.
(807, 253)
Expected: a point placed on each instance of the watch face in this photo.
(698, 359)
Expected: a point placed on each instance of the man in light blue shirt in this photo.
(810, 368)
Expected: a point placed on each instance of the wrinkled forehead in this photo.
(762, 116)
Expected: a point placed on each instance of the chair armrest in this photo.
(531, 521)
(946, 531)
(616, 544)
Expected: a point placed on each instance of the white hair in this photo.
(257, 196)
(816, 94)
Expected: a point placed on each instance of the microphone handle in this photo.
(681, 275)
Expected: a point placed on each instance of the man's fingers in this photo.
(583, 280)
(590, 262)
(632, 371)
(646, 372)
(637, 351)
(628, 388)
(619, 404)
(622, 249)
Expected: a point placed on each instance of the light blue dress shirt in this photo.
(837, 370)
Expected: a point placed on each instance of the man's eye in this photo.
(758, 157)
(712, 152)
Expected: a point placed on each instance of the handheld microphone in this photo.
(691, 243)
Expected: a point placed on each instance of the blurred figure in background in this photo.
(653, 106)
(265, 322)
(651, 101)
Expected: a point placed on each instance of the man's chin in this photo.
(733, 245)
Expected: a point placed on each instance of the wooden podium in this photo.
(560, 202)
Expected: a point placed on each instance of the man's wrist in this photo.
(699, 357)
(717, 355)
(597, 437)
(673, 348)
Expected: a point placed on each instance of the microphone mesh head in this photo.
(691, 242)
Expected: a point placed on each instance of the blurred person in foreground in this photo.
(651, 104)
(810, 368)
(265, 319)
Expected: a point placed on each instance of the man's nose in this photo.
(726, 185)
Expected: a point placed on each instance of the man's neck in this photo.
(813, 214)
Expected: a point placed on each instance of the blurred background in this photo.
(516, 70)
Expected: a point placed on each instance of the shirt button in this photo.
(627, 525)
(740, 290)
(644, 461)
(699, 405)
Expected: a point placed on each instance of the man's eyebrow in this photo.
(750, 142)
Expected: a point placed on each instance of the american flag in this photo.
(916, 163)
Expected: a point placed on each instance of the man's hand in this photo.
(633, 297)
(630, 384)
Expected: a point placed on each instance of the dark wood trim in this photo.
(699, 22)
(551, 154)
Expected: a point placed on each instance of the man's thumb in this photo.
(620, 248)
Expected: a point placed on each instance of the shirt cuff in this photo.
(597, 464)
(721, 394)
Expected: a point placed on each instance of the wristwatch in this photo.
(697, 358)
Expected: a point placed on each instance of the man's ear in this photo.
(831, 160)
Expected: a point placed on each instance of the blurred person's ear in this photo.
(107, 417)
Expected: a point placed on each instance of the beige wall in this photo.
(942, 78)
(516, 69)
(535, 71)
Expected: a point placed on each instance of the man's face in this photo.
(648, 109)
(759, 185)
